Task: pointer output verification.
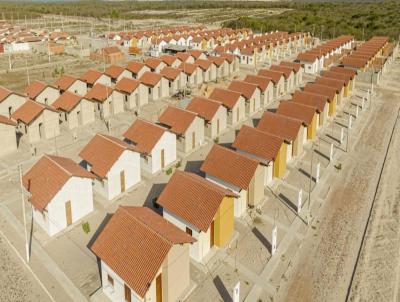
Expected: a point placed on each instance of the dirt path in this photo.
(324, 266)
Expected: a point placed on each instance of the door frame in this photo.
(122, 181)
(68, 212)
(159, 296)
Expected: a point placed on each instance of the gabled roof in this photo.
(182, 56)
(135, 243)
(203, 64)
(114, 71)
(321, 89)
(188, 68)
(295, 66)
(168, 59)
(204, 107)
(35, 88)
(6, 121)
(344, 70)
(67, 101)
(127, 85)
(244, 88)
(102, 152)
(285, 70)
(307, 57)
(192, 198)
(135, 66)
(65, 81)
(99, 93)
(170, 73)
(195, 53)
(47, 177)
(152, 63)
(338, 75)
(260, 81)
(230, 166)
(91, 76)
(150, 78)
(144, 135)
(178, 120)
(4, 93)
(216, 60)
(311, 99)
(29, 111)
(258, 143)
(334, 83)
(279, 125)
(275, 76)
(227, 97)
(294, 110)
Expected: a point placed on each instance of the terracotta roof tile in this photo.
(99, 93)
(102, 152)
(65, 81)
(47, 177)
(135, 66)
(295, 66)
(134, 244)
(307, 57)
(114, 71)
(127, 85)
(230, 166)
(203, 64)
(244, 88)
(170, 73)
(227, 97)
(294, 110)
(67, 101)
(334, 83)
(168, 59)
(29, 111)
(279, 125)
(258, 143)
(338, 75)
(34, 89)
(275, 76)
(182, 56)
(6, 121)
(216, 60)
(144, 135)
(344, 70)
(176, 119)
(204, 107)
(195, 53)
(192, 198)
(285, 70)
(260, 81)
(91, 76)
(228, 56)
(152, 63)
(311, 99)
(188, 68)
(321, 89)
(4, 93)
(150, 78)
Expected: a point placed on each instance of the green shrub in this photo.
(86, 227)
(169, 171)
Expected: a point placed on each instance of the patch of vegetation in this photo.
(86, 227)
(169, 171)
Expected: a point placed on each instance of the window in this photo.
(45, 101)
(110, 280)
(189, 231)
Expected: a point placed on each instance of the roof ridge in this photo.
(107, 137)
(57, 164)
(151, 123)
(198, 179)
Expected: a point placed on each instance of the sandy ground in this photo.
(325, 263)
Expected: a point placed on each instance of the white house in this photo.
(71, 84)
(135, 94)
(176, 79)
(288, 73)
(277, 79)
(187, 125)
(310, 62)
(60, 192)
(156, 145)
(137, 69)
(143, 257)
(115, 164)
(10, 101)
(157, 85)
(250, 92)
(117, 73)
(194, 74)
(8, 135)
(265, 85)
(155, 65)
(42, 93)
(170, 61)
(93, 77)
(107, 100)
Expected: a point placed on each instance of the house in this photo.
(269, 150)
(108, 55)
(306, 114)
(117, 73)
(176, 79)
(329, 92)
(237, 172)
(277, 79)
(194, 74)
(157, 85)
(10, 101)
(107, 100)
(209, 70)
(93, 77)
(351, 75)
(339, 85)
(201, 208)
(156, 145)
(185, 57)
(170, 61)
(143, 257)
(37, 121)
(297, 69)
(71, 84)
(288, 74)
(8, 135)
(291, 130)
(310, 62)
(197, 54)
(251, 94)
(315, 100)
(115, 164)
(137, 69)
(348, 78)
(187, 125)
(233, 101)
(135, 94)
(42, 93)
(74, 110)
(248, 56)
(214, 114)
(265, 85)
(221, 64)
(60, 192)
(154, 64)
(233, 62)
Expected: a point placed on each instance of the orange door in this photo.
(162, 158)
(122, 180)
(159, 288)
(68, 212)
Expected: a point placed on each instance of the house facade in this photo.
(8, 135)
(10, 101)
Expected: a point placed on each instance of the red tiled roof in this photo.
(338, 75)
(168, 59)
(99, 93)
(334, 83)
(244, 88)
(34, 89)
(294, 110)
(135, 243)
(183, 56)
(204, 107)
(216, 60)
(144, 135)
(7, 121)
(279, 125)
(150, 78)
(230, 166)
(307, 57)
(114, 71)
(187, 68)
(295, 66)
(195, 53)
(102, 152)
(91, 76)
(260, 81)
(227, 97)
(170, 73)
(135, 66)
(321, 89)
(344, 70)
(178, 120)
(67, 101)
(285, 70)
(47, 177)
(192, 198)
(152, 63)
(311, 99)
(4, 93)
(127, 85)
(29, 111)
(258, 143)
(275, 76)
(65, 81)
(203, 64)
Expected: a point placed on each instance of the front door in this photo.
(159, 288)
(122, 180)
(127, 291)
(217, 126)
(68, 212)
(162, 158)
(212, 234)
(41, 130)
(193, 140)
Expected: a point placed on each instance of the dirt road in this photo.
(325, 264)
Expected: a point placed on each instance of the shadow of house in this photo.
(223, 292)
(151, 199)
(262, 239)
(194, 166)
(273, 110)
(288, 202)
(255, 122)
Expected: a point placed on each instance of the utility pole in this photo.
(24, 215)
(27, 71)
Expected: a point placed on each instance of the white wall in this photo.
(168, 143)
(13, 101)
(78, 87)
(8, 139)
(48, 96)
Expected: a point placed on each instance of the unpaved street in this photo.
(325, 263)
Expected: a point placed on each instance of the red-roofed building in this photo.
(233, 101)
(251, 93)
(42, 92)
(176, 78)
(194, 74)
(265, 85)
(8, 135)
(156, 84)
(71, 84)
(92, 77)
(135, 94)
(10, 101)
(117, 73)
(108, 101)
(137, 69)
(277, 79)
